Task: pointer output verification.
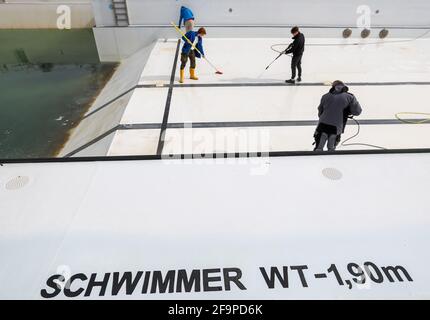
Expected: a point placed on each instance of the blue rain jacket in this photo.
(192, 35)
(186, 14)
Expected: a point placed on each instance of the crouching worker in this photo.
(189, 52)
(333, 112)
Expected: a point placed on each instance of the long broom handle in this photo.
(192, 44)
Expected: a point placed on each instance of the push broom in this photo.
(194, 47)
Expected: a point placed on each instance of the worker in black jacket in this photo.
(297, 48)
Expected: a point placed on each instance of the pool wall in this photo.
(15, 14)
(150, 20)
(107, 110)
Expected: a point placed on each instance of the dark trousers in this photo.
(296, 63)
(326, 134)
(184, 59)
(324, 138)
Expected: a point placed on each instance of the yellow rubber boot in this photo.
(181, 76)
(193, 74)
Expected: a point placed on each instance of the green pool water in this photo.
(48, 79)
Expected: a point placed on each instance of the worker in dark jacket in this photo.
(333, 112)
(188, 52)
(187, 17)
(297, 48)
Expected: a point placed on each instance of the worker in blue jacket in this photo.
(188, 52)
(187, 17)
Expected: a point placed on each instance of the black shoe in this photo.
(299, 79)
(290, 81)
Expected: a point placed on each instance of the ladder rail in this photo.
(120, 11)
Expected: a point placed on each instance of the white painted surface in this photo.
(167, 215)
(99, 148)
(135, 142)
(245, 60)
(145, 106)
(150, 20)
(295, 138)
(115, 44)
(272, 12)
(287, 103)
(220, 140)
(160, 63)
(371, 63)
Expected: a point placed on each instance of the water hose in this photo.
(281, 53)
(414, 121)
(345, 144)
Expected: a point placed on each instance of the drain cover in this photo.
(17, 183)
(332, 174)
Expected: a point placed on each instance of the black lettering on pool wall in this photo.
(274, 271)
(93, 283)
(301, 274)
(188, 282)
(207, 280)
(146, 282)
(163, 284)
(395, 271)
(375, 275)
(51, 284)
(233, 278)
(127, 278)
(73, 294)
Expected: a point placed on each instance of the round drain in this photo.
(383, 33)
(365, 33)
(347, 33)
(332, 174)
(17, 183)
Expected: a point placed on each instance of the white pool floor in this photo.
(248, 109)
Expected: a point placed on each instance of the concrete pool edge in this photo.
(235, 155)
(113, 98)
